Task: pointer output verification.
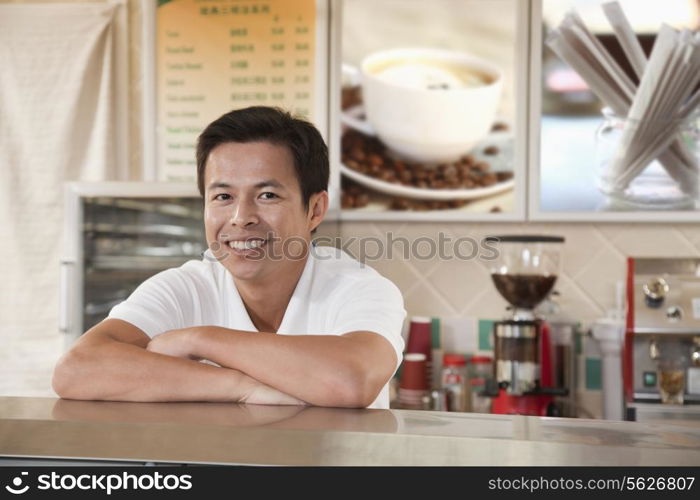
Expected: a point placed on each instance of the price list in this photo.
(217, 55)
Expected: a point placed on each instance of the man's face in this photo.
(255, 220)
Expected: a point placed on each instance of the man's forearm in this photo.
(320, 369)
(118, 371)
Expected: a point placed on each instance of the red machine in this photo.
(524, 273)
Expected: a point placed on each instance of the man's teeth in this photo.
(246, 245)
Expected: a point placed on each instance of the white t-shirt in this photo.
(335, 295)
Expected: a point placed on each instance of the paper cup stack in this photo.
(414, 382)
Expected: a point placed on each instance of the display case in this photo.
(118, 234)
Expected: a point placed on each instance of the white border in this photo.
(71, 271)
(534, 212)
(121, 101)
(521, 136)
(321, 67)
(149, 167)
(333, 92)
(135, 189)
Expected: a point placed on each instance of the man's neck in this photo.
(266, 301)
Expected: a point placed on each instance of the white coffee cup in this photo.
(427, 105)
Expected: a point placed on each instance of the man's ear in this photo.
(318, 206)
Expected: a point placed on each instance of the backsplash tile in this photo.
(423, 300)
(485, 337)
(488, 304)
(459, 284)
(651, 241)
(460, 335)
(594, 258)
(593, 374)
(598, 277)
(575, 303)
(691, 232)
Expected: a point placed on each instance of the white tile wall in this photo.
(594, 258)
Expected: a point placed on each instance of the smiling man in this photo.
(265, 317)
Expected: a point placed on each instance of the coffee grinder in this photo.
(524, 272)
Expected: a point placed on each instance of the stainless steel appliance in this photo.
(118, 234)
(661, 359)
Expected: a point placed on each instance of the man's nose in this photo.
(244, 214)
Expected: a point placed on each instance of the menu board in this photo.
(213, 56)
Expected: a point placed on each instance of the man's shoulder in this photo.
(333, 261)
(202, 272)
(338, 271)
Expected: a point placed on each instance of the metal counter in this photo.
(216, 433)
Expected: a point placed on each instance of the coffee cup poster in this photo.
(431, 108)
(616, 110)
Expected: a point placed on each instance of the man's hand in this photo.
(178, 343)
(182, 344)
(261, 394)
(326, 370)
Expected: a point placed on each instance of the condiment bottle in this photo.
(481, 371)
(455, 382)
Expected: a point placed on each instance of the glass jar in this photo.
(481, 371)
(649, 186)
(671, 374)
(455, 382)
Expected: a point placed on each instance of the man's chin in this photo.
(244, 270)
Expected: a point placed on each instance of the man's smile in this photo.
(247, 244)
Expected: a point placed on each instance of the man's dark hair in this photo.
(276, 126)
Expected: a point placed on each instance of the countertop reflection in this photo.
(223, 414)
(292, 435)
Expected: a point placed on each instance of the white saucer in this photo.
(501, 162)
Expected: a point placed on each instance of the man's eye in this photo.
(268, 196)
(217, 197)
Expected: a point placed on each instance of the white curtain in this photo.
(57, 116)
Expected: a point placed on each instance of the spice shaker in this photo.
(438, 400)
(481, 372)
(455, 382)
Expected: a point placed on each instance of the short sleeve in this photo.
(374, 306)
(157, 305)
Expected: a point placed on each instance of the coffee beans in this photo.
(406, 204)
(504, 176)
(368, 156)
(353, 195)
(351, 96)
(357, 196)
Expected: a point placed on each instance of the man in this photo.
(278, 320)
